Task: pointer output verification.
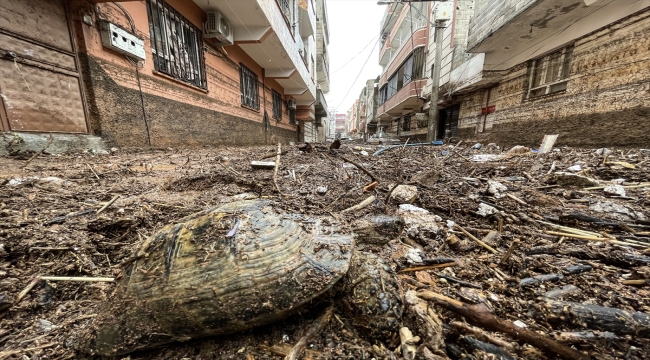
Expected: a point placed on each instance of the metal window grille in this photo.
(550, 73)
(406, 123)
(383, 94)
(176, 44)
(250, 96)
(392, 86)
(285, 5)
(408, 70)
(419, 60)
(277, 105)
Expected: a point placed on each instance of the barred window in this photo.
(550, 73)
(383, 95)
(250, 96)
(176, 44)
(277, 105)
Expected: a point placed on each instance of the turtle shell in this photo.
(229, 269)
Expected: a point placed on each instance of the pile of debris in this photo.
(498, 254)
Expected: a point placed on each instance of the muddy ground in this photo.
(38, 237)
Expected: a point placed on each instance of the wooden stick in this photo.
(635, 282)
(516, 199)
(77, 278)
(108, 204)
(361, 205)
(479, 315)
(583, 237)
(21, 295)
(488, 247)
(273, 155)
(47, 145)
(373, 177)
(428, 267)
(481, 335)
(317, 327)
(277, 166)
(509, 252)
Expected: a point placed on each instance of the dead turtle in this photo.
(239, 266)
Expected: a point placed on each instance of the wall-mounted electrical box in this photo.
(444, 10)
(122, 41)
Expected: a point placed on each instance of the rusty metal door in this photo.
(40, 85)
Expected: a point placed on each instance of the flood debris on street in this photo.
(322, 252)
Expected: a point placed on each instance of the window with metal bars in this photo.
(277, 105)
(176, 44)
(550, 73)
(285, 6)
(250, 95)
(383, 95)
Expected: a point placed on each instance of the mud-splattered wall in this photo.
(607, 100)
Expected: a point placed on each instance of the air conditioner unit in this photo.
(218, 27)
(291, 104)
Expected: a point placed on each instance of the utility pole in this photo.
(433, 107)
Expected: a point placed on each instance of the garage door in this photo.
(40, 86)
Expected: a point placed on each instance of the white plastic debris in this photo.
(603, 151)
(617, 190)
(477, 146)
(495, 188)
(575, 168)
(486, 210)
(520, 324)
(413, 256)
(486, 157)
(450, 224)
(16, 182)
(364, 153)
(321, 190)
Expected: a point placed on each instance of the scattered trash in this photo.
(418, 222)
(486, 210)
(547, 143)
(572, 180)
(518, 150)
(575, 168)
(615, 190)
(496, 189)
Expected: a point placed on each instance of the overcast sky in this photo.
(353, 25)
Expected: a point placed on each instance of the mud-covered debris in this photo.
(404, 194)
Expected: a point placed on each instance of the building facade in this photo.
(340, 125)
(163, 73)
(573, 68)
(405, 33)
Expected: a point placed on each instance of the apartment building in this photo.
(160, 72)
(340, 125)
(574, 68)
(405, 33)
(317, 131)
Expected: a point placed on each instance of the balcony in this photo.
(306, 17)
(261, 31)
(404, 101)
(514, 31)
(321, 107)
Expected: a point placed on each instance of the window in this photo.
(277, 105)
(250, 95)
(550, 73)
(383, 95)
(412, 69)
(176, 44)
(285, 6)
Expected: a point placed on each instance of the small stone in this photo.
(364, 153)
(603, 151)
(616, 190)
(321, 190)
(486, 210)
(520, 324)
(404, 194)
(518, 150)
(477, 146)
(567, 179)
(418, 222)
(575, 168)
(46, 326)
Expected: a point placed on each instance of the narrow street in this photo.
(324, 179)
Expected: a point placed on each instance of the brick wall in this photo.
(607, 101)
(177, 113)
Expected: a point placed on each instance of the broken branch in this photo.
(486, 246)
(359, 166)
(479, 315)
(311, 332)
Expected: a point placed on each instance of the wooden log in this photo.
(582, 336)
(473, 345)
(479, 315)
(596, 317)
(481, 335)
